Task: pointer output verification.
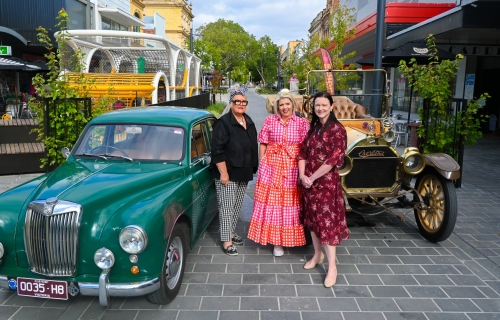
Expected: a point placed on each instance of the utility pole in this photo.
(278, 85)
(191, 38)
(379, 41)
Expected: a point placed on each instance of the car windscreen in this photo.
(132, 142)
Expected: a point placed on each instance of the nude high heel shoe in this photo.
(309, 265)
(330, 283)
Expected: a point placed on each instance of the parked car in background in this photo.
(119, 216)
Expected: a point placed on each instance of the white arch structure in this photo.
(123, 49)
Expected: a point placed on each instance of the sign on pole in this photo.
(5, 51)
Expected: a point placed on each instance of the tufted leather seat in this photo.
(345, 108)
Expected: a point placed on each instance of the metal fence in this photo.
(454, 107)
(201, 101)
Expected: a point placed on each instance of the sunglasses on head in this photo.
(242, 102)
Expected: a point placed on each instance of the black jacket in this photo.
(235, 145)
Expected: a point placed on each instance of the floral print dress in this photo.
(323, 204)
(276, 211)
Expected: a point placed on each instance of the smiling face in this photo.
(285, 108)
(240, 106)
(322, 108)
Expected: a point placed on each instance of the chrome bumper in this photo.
(104, 289)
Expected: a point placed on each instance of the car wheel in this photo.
(173, 266)
(436, 223)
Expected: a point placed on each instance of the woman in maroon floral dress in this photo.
(322, 201)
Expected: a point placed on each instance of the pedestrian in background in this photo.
(323, 208)
(276, 211)
(234, 161)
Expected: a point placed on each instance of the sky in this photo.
(282, 20)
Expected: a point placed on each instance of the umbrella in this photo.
(413, 49)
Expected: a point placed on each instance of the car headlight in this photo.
(133, 239)
(104, 258)
(413, 162)
(2, 250)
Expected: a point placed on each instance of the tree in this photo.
(263, 58)
(433, 81)
(222, 46)
(340, 23)
(67, 120)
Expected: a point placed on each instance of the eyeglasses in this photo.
(242, 102)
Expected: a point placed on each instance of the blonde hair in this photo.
(284, 93)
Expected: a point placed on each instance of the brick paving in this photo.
(386, 269)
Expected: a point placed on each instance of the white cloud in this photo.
(281, 20)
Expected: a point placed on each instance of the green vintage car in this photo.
(119, 217)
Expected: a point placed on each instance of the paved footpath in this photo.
(386, 269)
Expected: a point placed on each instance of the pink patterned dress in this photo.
(276, 211)
(323, 204)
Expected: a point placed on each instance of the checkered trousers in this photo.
(229, 200)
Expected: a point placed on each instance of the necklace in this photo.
(242, 120)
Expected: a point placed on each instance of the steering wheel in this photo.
(93, 151)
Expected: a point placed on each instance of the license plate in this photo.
(41, 288)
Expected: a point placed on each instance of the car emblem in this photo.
(13, 284)
(49, 205)
(72, 289)
(371, 153)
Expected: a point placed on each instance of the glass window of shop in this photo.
(108, 24)
(401, 95)
(77, 14)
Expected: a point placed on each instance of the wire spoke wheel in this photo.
(437, 219)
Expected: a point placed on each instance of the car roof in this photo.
(159, 115)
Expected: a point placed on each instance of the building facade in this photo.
(321, 23)
(178, 16)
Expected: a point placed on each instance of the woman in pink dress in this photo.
(323, 208)
(276, 212)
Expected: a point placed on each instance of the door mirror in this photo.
(65, 152)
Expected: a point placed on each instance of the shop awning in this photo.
(22, 65)
(121, 17)
(413, 49)
(7, 35)
(471, 23)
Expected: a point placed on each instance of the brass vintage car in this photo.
(119, 216)
(376, 178)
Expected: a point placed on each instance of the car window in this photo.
(135, 141)
(199, 140)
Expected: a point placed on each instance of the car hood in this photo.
(84, 181)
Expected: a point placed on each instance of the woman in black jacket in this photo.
(234, 161)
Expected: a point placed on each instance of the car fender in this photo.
(444, 164)
(155, 212)
(12, 203)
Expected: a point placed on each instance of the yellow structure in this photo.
(125, 86)
(178, 16)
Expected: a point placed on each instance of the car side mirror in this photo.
(65, 152)
(207, 160)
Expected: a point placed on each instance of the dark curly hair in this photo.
(315, 124)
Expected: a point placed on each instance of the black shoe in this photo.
(230, 250)
(236, 239)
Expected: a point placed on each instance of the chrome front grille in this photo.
(51, 233)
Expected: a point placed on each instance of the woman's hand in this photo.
(306, 181)
(224, 178)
